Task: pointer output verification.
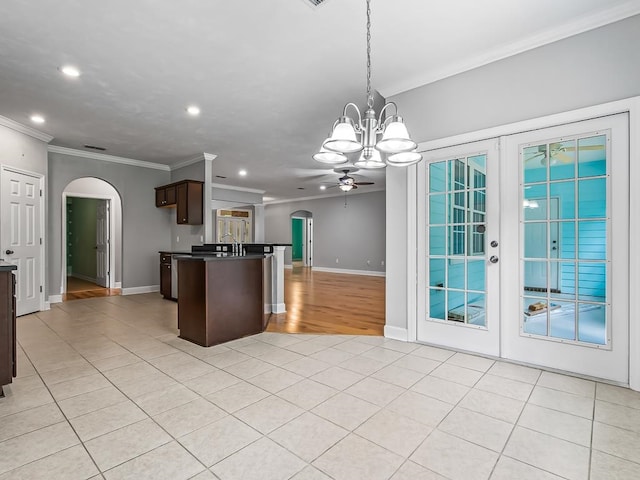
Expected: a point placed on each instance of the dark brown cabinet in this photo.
(187, 197)
(8, 365)
(165, 275)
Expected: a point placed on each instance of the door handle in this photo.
(493, 259)
(9, 252)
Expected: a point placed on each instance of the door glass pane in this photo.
(592, 325)
(592, 240)
(436, 272)
(437, 177)
(437, 210)
(564, 240)
(457, 219)
(592, 161)
(563, 160)
(535, 163)
(564, 193)
(592, 196)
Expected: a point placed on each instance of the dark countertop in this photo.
(7, 267)
(175, 252)
(204, 257)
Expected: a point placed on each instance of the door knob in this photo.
(493, 259)
(494, 244)
(9, 252)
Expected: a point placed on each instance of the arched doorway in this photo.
(302, 238)
(91, 239)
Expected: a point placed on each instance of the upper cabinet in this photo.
(186, 196)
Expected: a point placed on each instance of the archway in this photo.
(91, 239)
(302, 238)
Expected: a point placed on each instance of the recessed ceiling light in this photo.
(70, 71)
(242, 173)
(323, 187)
(37, 118)
(193, 110)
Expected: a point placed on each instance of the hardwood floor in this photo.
(78, 288)
(322, 302)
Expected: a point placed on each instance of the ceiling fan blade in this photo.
(563, 157)
(363, 183)
(537, 155)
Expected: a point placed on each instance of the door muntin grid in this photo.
(456, 240)
(565, 249)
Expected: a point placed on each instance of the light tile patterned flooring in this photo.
(107, 390)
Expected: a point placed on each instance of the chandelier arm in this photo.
(344, 113)
(388, 104)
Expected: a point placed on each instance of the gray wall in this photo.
(81, 236)
(22, 151)
(183, 236)
(595, 67)
(353, 234)
(144, 227)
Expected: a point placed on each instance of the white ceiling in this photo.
(270, 76)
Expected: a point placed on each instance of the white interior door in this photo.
(21, 236)
(459, 193)
(566, 305)
(102, 243)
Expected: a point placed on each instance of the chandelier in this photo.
(377, 142)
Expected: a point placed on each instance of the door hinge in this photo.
(40, 288)
(40, 192)
(41, 241)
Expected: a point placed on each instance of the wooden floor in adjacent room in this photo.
(322, 302)
(78, 288)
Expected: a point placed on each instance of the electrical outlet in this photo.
(201, 239)
(368, 262)
(177, 238)
(337, 260)
(382, 263)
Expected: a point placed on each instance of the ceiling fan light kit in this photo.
(377, 140)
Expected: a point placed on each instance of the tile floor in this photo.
(106, 390)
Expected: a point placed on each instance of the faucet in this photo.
(234, 241)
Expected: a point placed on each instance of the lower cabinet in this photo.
(8, 365)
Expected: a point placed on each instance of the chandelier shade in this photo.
(346, 187)
(404, 159)
(395, 138)
(329, 157)
(370, 134)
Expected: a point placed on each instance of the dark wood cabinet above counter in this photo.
(187, 198)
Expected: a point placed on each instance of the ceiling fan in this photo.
(347, 183)
(558, 152)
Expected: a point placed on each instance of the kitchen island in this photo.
(221, 296)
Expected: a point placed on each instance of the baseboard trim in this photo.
(55, 299)
(370, 273)
(278, 308)
(117, 284)
(396, 333)
(289, 266)
(138, 290)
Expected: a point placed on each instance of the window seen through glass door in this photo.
(457, 216)
(565, 237)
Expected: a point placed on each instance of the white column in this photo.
(277, 280)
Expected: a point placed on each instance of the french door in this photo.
(461, 244)
(565, 248)
(525, 247)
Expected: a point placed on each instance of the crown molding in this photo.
(317, 197)
(570, 29)
(239, 189)
(198, 158)
(18, 127)
(107, 158)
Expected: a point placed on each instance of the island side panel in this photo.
(235, 294)
(192, 302)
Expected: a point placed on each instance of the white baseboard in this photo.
(47, 306)
(138, 290)
(278, 308)
(55, 299)
(267, 308)
(396, 333)
(370, 273)
(289, 266)
(117, 284)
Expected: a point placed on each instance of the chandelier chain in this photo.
(369, 95)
